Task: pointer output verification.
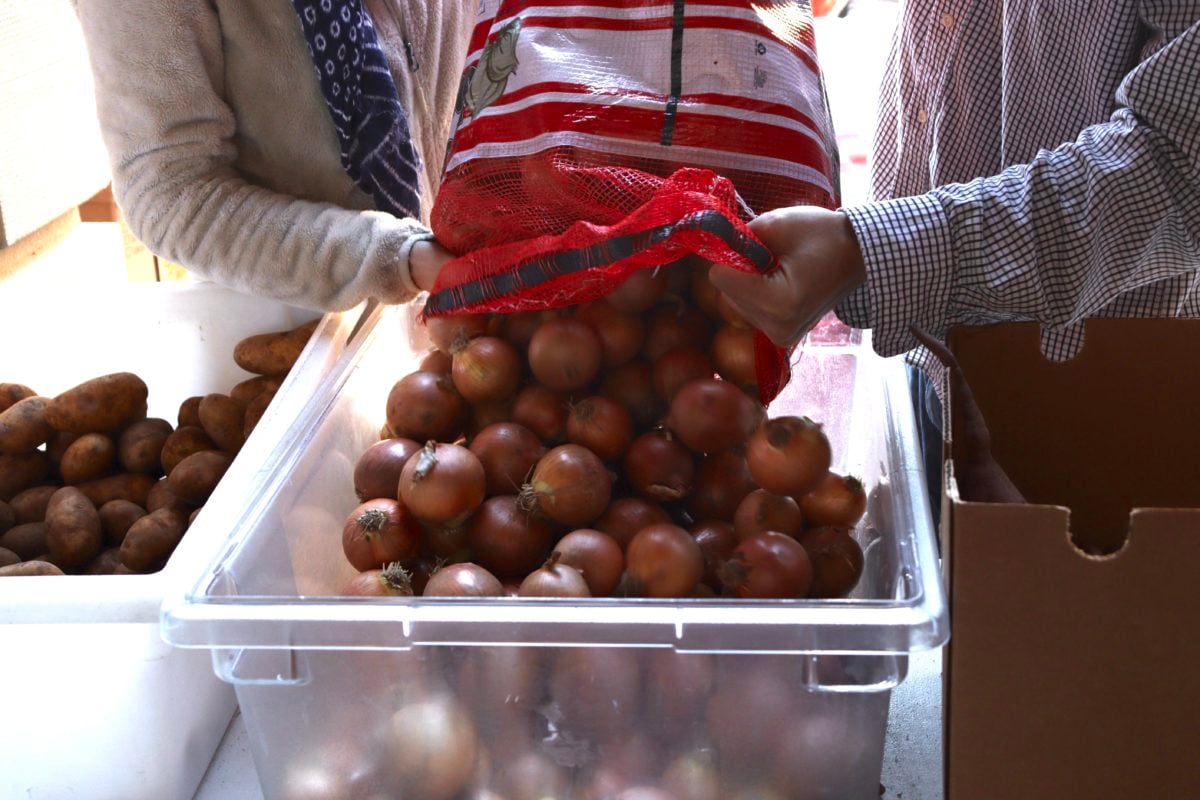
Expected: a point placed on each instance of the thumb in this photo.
(736, 285)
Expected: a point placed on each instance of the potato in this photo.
(91, 456)
(184, 442)
(222, 419)
(161, 497)
(28, 541)
(273, 353)
(247, 390)
(8, 557)
(189, 412)
(106, 563)
(116, 516)
(10, 393)
(8, 517)
(58, 445)
(254, 411)
(197, 475)
(131, 486)
(23, 426)
(29, 569)
(18, 473)
(30, 505)
(141, 444)
(101, 405)
(151, 540)
(73, 535)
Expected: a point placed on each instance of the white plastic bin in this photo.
(96, 706)
(787, 699)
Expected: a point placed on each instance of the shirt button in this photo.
(922, 116)
(947, 21)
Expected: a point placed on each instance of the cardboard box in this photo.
(1069, 675)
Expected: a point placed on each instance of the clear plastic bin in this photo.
(96, 704)
(557, 698)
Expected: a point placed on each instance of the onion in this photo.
(442, 484)
(837, 561)
(569, 485)
(664, 561)
(451, 333)
(601, 425)
(692, 777)
(596, 555)
(518, 328)
(378, 532)
(565, 354)
(542, 411)
(768, 565)
(658, 467)
(437, 361)
(728, 313)
(835, 500)
(678, 684)
(377, 473)
(717, 542)
(391, 581)
(447, 543)
(486, 370)
(788, 455)
(679, 367)
(597, 689)
(533, 776)
(711, 416)
(676, 326)
(762, 511)
(463, 580)
(555, 580)
(626, 516)
(506, 540)
(734, 355)
(722, 482)
(508, 452)
(433, 748)
(704, 294)
(640, 291)
(621, 335)
(424, 406)
(632, 385)
(487, 414)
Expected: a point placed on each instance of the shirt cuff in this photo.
(908, 253)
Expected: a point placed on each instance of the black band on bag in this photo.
(668, 131)
(551, 266)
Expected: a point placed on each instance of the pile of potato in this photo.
(90, 485)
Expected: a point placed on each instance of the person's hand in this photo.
(425, 261)
(820, 264)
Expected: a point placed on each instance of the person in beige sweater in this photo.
(225, 157)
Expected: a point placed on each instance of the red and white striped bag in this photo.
(592, 140)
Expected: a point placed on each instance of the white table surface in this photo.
(912, 759)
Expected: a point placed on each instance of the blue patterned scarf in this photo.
(377, 148)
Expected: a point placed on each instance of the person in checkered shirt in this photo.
(1032, 163)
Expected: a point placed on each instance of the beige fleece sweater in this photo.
(223, 154)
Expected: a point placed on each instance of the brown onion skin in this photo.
(664, 561)
(485, 414)
(659, 468)
(704, 294)
(838, 500)
(722, 482)
(554, 579)
(596, 555)
(447, 544)
(518, 328)
(632, 385)
(678, 367)
(565, 354)
(423, 406)
(452, 332)
(377, 473)
(597, 689)
(677, 686)
(768, 566)
(391, 581)
(625, 516)
(437, 361)
(507, 541)
(762, 511)
(487, 370)
(676, 326)
(734, 357)
(711, 416)
(380, 532)
(508, 452)
(570, 485)
(463, 580)
(717, 542)
(621, 334)
(640, 292)
(442, 484)
(601, 425)
(788, 455)
(837, 561)
(542, 411)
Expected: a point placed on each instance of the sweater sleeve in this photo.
(171, 139)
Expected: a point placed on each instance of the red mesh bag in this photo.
(594, 140)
